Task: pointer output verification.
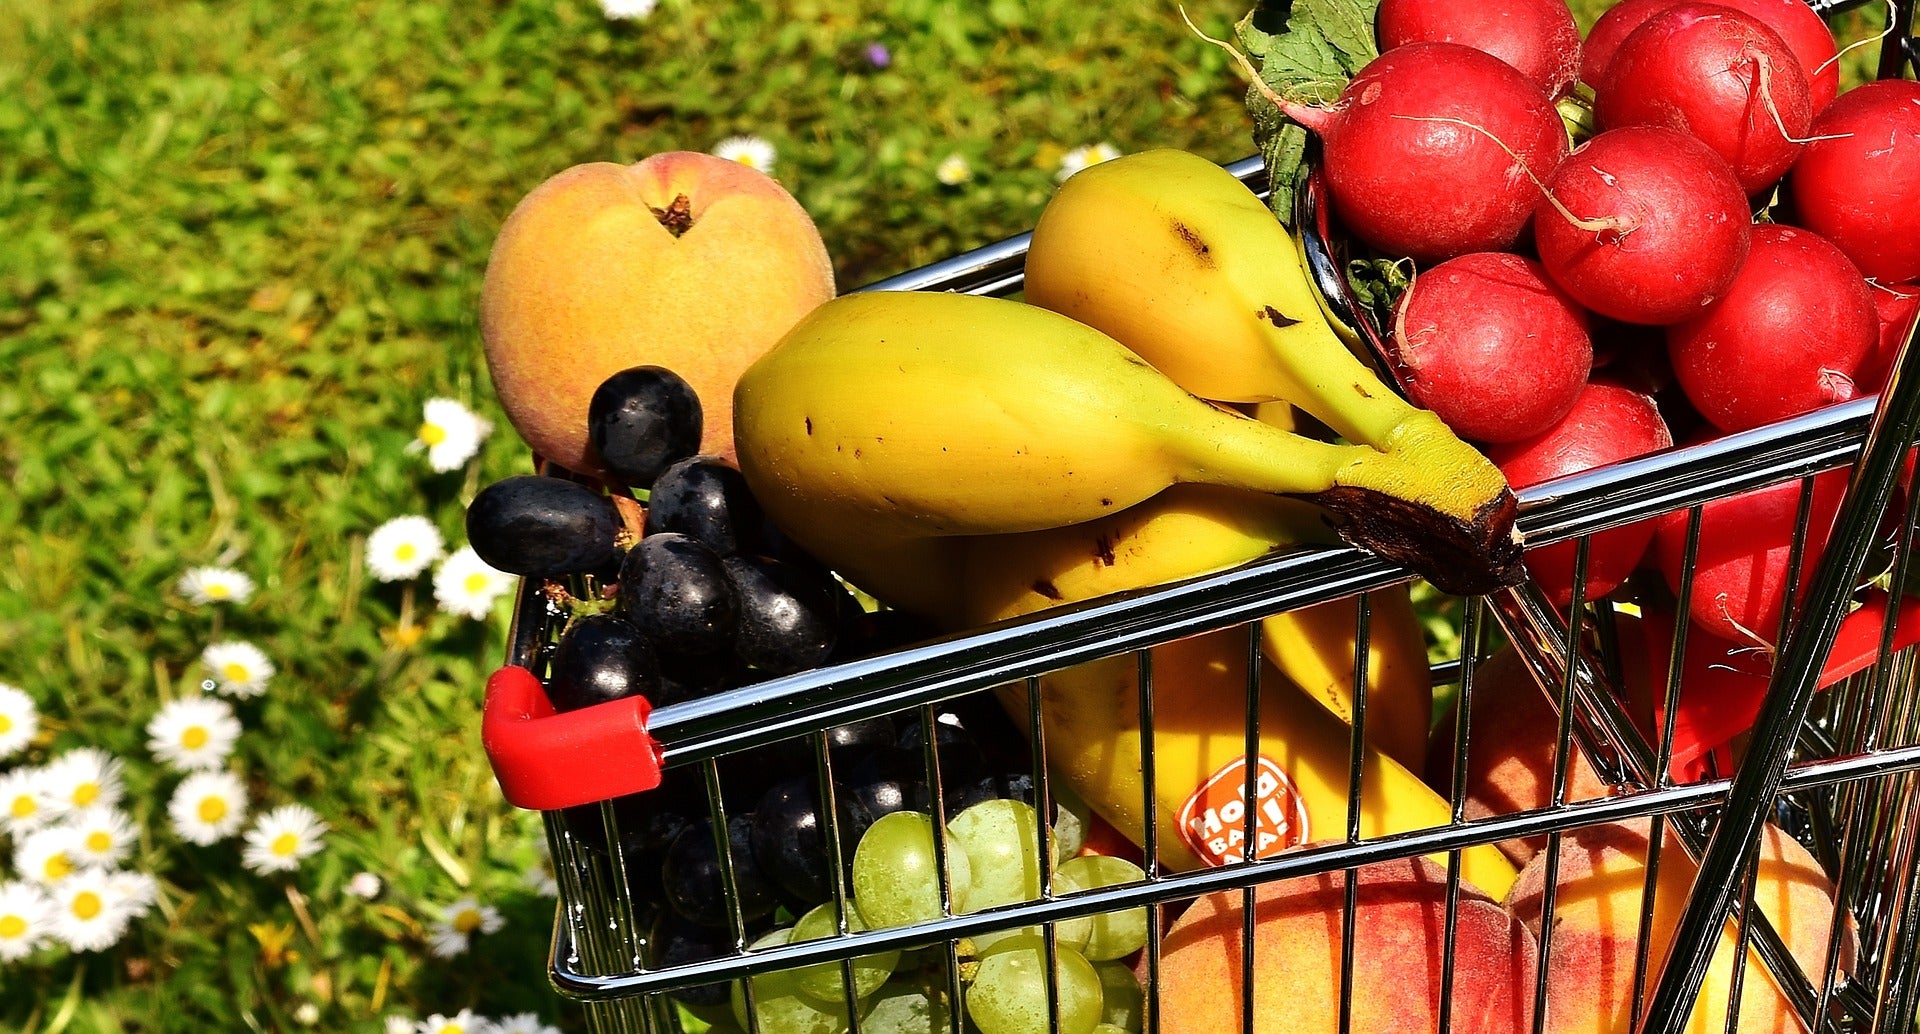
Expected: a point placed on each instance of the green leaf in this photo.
(1308, 51)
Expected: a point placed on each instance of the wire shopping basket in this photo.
(1830, 765)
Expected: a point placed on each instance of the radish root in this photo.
(1764, 65)
(1761, 645)
(1307, 115)
(1620, 224)
(1892, 16)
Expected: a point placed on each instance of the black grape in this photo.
(790, 837)
(706, 498)
(674, 589)
(691, 875)
(543, 527)
(787, 620)
(602, 657)
(673, 941)
(641, 421)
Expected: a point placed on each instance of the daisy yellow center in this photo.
(6, 724)
(451, 1028)
(467, 921)
(474, 583)
(285, 844)
(58, 867)
(86, 793)
(217, 591)
(194, 738)
(236, 672)
(23, 806)
(432, 434)
(211, 810)
(87, 904)
(404, 552)
(12, 927)
(99, 841)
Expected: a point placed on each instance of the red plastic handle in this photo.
(545, 761)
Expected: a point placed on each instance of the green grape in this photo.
(895, 878)
(1009, 990)
(780, 1007)
(906, 1009)
(1109, 935)
(1123, 1003)
(824, 980)
(1002, 841)
(1108, 1028)
(1075, 938)
(1070, 819)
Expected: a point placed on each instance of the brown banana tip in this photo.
(1462, 558)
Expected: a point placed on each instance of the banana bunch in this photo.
(1200, 762)
(882, 420)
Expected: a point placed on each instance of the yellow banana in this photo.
(889, 417)
(1091, 721)
(1176, 259)
(1315, 648)
(1191, 530)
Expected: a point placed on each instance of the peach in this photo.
(1398, 954)
(1591, 956)
(1509, 751)
(682, 260)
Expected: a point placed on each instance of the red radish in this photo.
(1492, 346)
(1722, 682)
(1862, 191)
(1897, 307)
(1421, 146)
(1806, 34)
(1716, 73)
(1538, 37)
(1789, 336)
(1675, 225)
(1607, 424)
(1604, 39)
(1740, 575)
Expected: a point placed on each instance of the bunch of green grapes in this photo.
(992, 859)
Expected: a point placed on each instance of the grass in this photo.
(243, 245)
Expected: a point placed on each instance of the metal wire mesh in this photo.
(1848, 795)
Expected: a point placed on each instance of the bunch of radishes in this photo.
(1574, 309)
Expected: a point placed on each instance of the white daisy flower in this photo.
(539, 879)
(23, 800)
(47, 855)
(468, 585)
(750, 151)
(398, 1024)
(1081, 157)
(193, 733)
(364, 885)
(953, 170)
(450, 433)
(203, 585)
(137, 891)
(620, 10)
(207, 807)
(459, 923)
(19, 720)
(87, 914)
(82, 778)
(240, 669)
(26, 919)
(402, 548)
(524, 1023)
(281, 838)
(307, 1015)
(102, 837)
(462, 1022)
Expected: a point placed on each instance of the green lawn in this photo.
(243, 244)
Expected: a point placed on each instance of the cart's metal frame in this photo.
(1848, 787)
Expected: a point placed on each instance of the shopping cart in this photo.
(1836, 768)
